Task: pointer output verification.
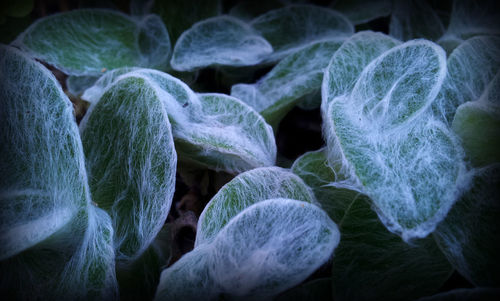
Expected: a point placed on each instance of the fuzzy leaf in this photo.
(471, 67)
(295, 76)
(411, 19)
(180, 15)
(294, 27)
(131, 161)
(361, 11)
(370, 262)
(265, 249)
(477, 123)
(78, 84)
(223, 40)
(43, 180)
(388, 144)
(91, 41)
(245, 190)
(468, 235)
(210, 130)
(349, 61)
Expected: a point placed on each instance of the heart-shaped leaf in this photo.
(294, 27)
(131, 161)
(246, 189)
(388, 144)
(370, 262)
(222, 40)
(295, 76)
(91, 41)
(210, 130)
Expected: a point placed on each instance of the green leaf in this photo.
(180, 15)
(471, 67)
(294, 27)
(131, 161)
(219, 41)
(361, 11)
(214, 131)
(349, 61)
(43, 180)
(370, 262)
(468, 236)
(477, 123)
(91, 41)
(411, 19)
(245, 190)
(265, 249)
(466, 294)
(78, 84)
(295, 76)
(388, 144)
(54, 244)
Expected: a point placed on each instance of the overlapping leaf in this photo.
(222, 40)
(246, 189)
(294, 27)
(268, 247)
(297, 75)
(54, 243)
(390, 146)
(370, 262)
(131, 161)
(212, 130)
(91, 41)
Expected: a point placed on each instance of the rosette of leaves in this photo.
(90, 41)
(388, 143)
(252, 243)
(210, 130)
(370, 263)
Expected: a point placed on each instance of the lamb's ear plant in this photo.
(294, 27)
(219, 41)
(54, 243)
(471, 68)
(211, 130)
(388, 144)
(294, 77)
(131, 160)
(91, 41)
(370, 262)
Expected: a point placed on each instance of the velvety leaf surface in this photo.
(411, 19)
(469, 234)
(370, 262)
(245, 190)
(91, 41)
(131, 161)
(361, 11)
(471, 67)
(43, 179)
(349, 61)
(180, 15)
(265, 249)
(293, 27)
(390, 147)
(222, 40)
(295, 76)
(210, 130)
(477, 123)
